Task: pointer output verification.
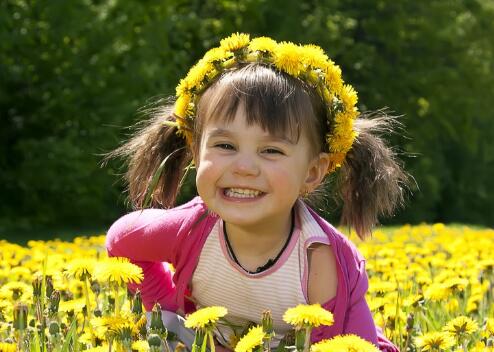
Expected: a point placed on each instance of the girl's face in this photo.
(250, 178)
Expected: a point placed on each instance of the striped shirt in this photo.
(219, 281)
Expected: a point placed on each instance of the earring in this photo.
(304, 193)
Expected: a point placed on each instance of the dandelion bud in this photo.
(37, 284)
(130, 294)
(410, 320)
(67, 295)
(267, 322)
(49, 286)
(137, 303)
(54, 302)
(16, 293)
(111, 303)
(156, 322)
(54, 328)
(154, 342)
(20, 316)
(95, 287)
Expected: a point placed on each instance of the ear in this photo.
(318, 168)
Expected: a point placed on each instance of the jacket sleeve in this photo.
(359, 319)
(149, 238)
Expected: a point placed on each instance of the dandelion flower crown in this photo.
(308, 63)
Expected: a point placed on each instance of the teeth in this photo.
(241, 193)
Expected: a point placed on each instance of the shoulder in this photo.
(323, 273)
(345, 248)
(150, 222)
(346, 254)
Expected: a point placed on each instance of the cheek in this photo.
(205, 175)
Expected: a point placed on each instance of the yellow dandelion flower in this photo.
(434, 341)
(217, 54)
(16, 290)
(313, 55)
(308, 315)
(452, 305)
(103, 348)
(20, 273)
(110, 325)
(205, 317)
(287, 58)
(343, 343)
(99, 327)
(412, 300)
(5, 306)
(456, 283)
(263, 44)
(85, 338)
(437, 292)
(349, 97)
(473, 302)
(461, 325)
(333, 77)
(123, 330)
(377, 303)
(140, 346)
(481, 347)
(118, 270)
(182, 107)
(8, 347)
(235, 42)
(251, 340)
(380, 286)
(80, 268)
(198, 74)
(489, 328)
(182, 88)
(74, 305)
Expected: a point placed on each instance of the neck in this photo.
(258, 241)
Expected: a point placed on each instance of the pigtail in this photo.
(371, 182)
(157, 158)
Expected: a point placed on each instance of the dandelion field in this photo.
(431, 288)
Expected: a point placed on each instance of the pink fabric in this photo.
(177, 235)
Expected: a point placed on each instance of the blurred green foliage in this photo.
(74, 74)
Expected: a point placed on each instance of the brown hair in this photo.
(370, 183)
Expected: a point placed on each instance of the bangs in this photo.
(275, 101)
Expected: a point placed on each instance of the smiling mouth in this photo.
(241, 193)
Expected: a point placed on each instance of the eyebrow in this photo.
(220, 132)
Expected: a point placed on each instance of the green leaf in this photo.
(71, 336)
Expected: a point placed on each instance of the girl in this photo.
(263, 123)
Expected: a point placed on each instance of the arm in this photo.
(359, 319)
(140, 236)
(322, 287)
(149, 238)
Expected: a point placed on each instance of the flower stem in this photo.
(211, 340)
(88, 308)
(117, 302)
(307, 339)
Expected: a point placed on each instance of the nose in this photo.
(246, 164)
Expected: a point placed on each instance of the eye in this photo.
(273, 151)
(225, 146)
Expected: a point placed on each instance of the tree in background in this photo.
(74, 74)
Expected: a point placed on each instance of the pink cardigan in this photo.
(153, 236)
